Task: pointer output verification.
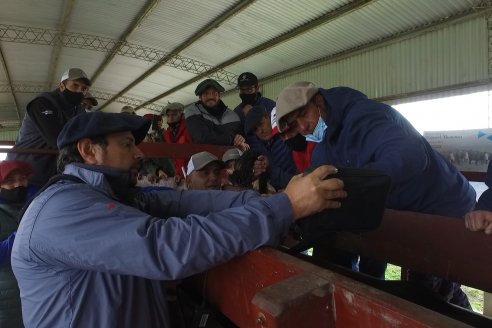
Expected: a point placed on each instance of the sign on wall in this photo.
(469, 150)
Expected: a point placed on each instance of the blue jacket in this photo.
(263, 101)
(31, 135)
(83, 259)
(6, 249)
(365, 133)
(282, 166)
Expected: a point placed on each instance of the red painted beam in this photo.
(267, 288)
(427, 243)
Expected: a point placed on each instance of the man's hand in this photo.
(311, 193)
(240, 142)
(479, 220)
(260, 165)
(238, 139)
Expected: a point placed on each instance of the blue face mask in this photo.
(319, 131)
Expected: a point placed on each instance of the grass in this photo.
(475, 296)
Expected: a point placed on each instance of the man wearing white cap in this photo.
(44, 119)
(89, 102)
(352, 130)
(204, 172)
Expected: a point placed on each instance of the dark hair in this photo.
(243, 172)
(70, 154)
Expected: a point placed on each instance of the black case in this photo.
(362, 210)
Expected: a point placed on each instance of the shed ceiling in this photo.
(149, 53)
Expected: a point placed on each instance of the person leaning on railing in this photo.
(480, 219)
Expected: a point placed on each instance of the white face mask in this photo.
(319, 131)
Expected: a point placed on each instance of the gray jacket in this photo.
(217, 128)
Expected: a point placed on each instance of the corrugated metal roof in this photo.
(267, 37)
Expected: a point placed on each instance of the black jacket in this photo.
(45, 117)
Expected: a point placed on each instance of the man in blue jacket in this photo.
(249, 92)
(91, 250)
(352, 130)
(278, 156)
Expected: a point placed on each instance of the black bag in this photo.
(362, 210)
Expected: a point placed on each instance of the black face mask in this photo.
(74, 98)
(15, 195)
(297, 143)
(248, 98)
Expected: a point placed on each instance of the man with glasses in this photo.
(210, 121)
(352, 130)
(249, 92)
(44, 119)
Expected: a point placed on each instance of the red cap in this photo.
(7, 167)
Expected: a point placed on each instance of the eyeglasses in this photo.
(290, 121)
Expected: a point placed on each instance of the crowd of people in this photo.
(91, 247)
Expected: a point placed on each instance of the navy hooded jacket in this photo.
(365, 133)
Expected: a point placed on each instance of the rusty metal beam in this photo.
(203, 31)
(55, 54)
(121, 41)
(323, 19)
(9, 81)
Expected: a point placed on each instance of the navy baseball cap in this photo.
(94, 124)
(247, 79)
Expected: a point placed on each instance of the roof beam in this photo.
(323, 19)
(9, 81)
(42, 36)
(412, 33)
(55, 54)
(121, 41)
(241, 5)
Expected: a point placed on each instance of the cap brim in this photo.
(218, 161)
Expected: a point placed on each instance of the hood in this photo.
(339, 103)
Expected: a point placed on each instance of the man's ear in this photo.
(319, 100)
(87, 150)
(62, 86)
